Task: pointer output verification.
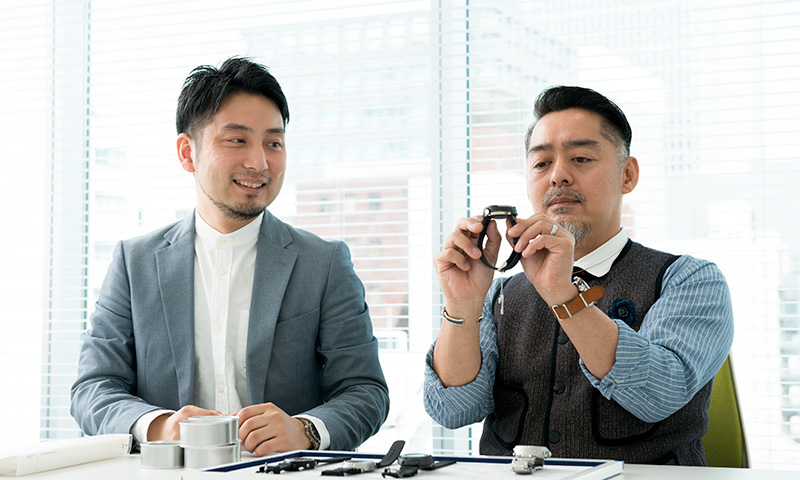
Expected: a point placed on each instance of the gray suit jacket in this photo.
(310, 347)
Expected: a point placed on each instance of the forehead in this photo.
(255, 111)
(558, 129)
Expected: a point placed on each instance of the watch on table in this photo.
(298, 464)
(356, 467)
(411, 463)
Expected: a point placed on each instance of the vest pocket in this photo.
(513, 400)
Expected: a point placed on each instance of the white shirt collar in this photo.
(210, 235)
(598, 262)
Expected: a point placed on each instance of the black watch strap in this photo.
(392, 454)
(341, 472)
(402, 472)
(441, 464)
(388, 459)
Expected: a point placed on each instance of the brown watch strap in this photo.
(583, 300)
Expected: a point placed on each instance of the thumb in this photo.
(493, 241)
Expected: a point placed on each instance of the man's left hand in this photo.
(547, 256)
(265, 428)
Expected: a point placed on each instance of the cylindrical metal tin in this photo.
(210, 430)
(205, 457)
(161, 454)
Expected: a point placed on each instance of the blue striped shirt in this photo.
(684, 339)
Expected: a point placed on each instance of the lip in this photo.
(251, 184)
(558, 202)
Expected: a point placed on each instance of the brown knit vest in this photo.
(543, 398)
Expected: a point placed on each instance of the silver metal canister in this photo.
(211, 456)
(161, 454)
(209, 430)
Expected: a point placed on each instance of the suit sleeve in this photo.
(103, 396)
(354, 388)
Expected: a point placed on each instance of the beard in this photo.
(236, 211)
(580, 230)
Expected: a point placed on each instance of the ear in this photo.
(186, 152)
(630, 174)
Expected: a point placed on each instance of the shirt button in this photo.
(221, 389)
(563, 338)
(559, 387)
(219, 327)
(221, 241)
(554, 437)
(222, 271)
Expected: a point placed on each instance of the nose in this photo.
(256, 159)
(561, 173)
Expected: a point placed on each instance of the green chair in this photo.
(725, 442)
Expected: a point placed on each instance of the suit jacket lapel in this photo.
(177, 298)
(274, 265)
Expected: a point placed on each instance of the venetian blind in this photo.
(406, 115)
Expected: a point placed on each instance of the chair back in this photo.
(725, 442)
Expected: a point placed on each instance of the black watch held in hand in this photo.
(493, 212)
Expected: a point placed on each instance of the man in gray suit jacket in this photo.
(232, 311)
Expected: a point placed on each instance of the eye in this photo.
(581, 159)
(236, 140)
(539, 164)
(276, 144)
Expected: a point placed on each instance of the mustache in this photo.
(566, 192)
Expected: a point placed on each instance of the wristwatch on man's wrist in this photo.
(311, 433)
(585, 299)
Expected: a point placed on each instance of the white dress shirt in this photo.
(224, 266)
(598, 262)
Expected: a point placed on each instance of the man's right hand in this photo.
(464, 280)
(167, 427)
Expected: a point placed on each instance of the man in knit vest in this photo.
(601, 348)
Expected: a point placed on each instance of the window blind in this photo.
(406, 115)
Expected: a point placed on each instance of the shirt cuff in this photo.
(142, 424)
(630, 368)
(324, 434)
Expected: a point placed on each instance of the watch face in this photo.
(500, 211)
(363, 466)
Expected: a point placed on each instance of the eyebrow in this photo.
(578, 142)
(245, 128)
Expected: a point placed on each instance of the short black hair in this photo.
(558, 98)
(207, 87)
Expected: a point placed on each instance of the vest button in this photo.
(559, 387)
(554, 437)
(563, 338)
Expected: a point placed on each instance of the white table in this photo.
(128, 468)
